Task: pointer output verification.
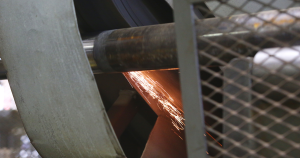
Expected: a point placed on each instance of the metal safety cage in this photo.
(250, 78)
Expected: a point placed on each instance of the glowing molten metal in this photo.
(153, 92)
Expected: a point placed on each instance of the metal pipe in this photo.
(154, 47)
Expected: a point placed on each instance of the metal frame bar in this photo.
(190, 78)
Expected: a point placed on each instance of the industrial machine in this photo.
(155, 78)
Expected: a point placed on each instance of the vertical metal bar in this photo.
(190, 79)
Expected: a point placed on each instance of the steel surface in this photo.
(52, 82)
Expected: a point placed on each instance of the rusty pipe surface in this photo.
(154, 47)
(219, 39)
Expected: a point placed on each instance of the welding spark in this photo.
(177, 134)
(148, 87)
(213, 138)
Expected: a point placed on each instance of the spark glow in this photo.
(150, 88)
(214, 139)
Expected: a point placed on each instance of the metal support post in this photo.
(190, 78)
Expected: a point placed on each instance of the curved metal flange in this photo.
(52, 82)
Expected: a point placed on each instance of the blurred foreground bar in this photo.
(219, 41)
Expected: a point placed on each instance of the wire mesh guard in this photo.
(251, 101)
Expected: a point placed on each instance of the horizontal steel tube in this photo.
(154, 47)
